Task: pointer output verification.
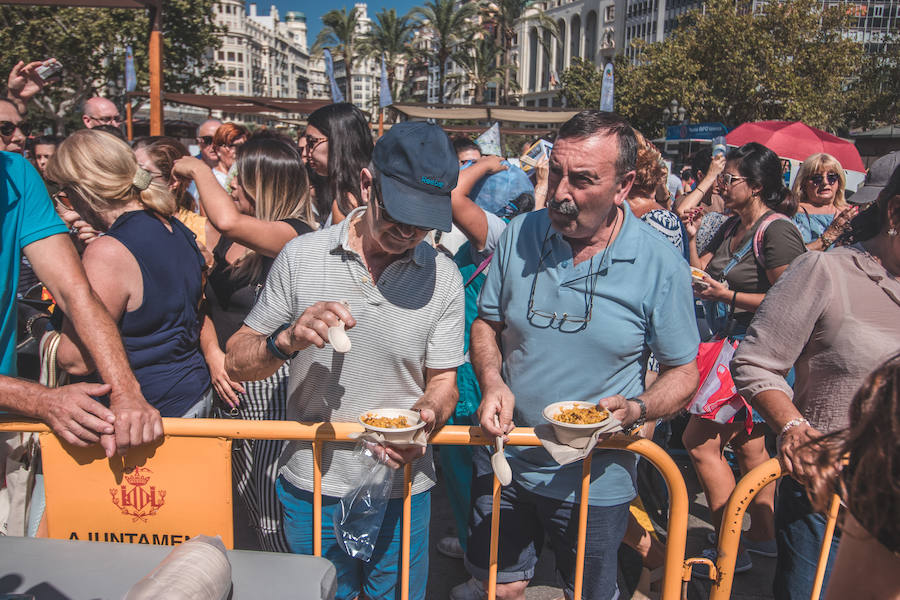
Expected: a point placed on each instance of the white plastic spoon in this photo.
(338, 338)
(498, 459)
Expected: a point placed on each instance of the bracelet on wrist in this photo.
(787, 427)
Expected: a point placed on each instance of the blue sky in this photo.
(314, 10)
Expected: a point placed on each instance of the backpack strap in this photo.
(760, 235)
(481, 267)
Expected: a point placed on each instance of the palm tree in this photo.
(480, 60)
(449, 27)
(501, 16)
(390, 36)
(339, 33)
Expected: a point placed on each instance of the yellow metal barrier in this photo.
(320, 433)
(722, 573)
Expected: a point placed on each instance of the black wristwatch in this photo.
(641, 419)
(274, 350)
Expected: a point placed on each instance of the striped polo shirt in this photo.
(411, 320)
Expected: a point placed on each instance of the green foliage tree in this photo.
(480, 60)
(340, 34)
(580, 84)
(391, 36)
(788, 60)
(448, 26)
(90, 42)
(874, 96)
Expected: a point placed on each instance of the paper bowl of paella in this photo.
(396, 425)
(574, 422)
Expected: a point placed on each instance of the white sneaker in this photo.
(449, 546)
(470, 590)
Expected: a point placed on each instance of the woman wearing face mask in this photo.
(269, 206)
(146, 269)
(338, 146)
(823, 213)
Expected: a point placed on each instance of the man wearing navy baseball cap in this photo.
(401, 303)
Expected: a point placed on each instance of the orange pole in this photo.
(582, 525)
(317, 498)
(129, 120)
(380, 122)
(833, 510)
(495, 541)
(732, 520)
(404, 540)
(156, 70)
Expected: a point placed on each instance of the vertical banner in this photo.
(606, 89)
(160, 494)
(130, 75)
(384, 98)
(336, 95)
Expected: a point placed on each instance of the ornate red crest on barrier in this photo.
(137, 499)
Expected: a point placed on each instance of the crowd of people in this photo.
(206, 286)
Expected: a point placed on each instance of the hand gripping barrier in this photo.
(722, 573)
(322, 433)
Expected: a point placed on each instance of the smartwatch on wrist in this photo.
(641, 419)
(274, 350)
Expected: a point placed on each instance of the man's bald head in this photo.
(208, 127)
(100, 111)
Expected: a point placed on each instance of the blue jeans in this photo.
(526, 519)
(378, 579)
(799, 532)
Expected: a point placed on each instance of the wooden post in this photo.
(380, 122)
(156, 70)
(129, 119)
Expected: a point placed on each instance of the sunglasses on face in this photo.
(728, 178)
(204, 140)
(113, 120)
(376, 187)
(312, 142)
(818, 179)
(7, 128)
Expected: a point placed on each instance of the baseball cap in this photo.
(417, 169)
(876, 179)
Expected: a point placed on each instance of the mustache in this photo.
(566, 207)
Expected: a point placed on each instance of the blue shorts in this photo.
(526, 519)
(378, 579)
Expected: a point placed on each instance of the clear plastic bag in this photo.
(359, 514)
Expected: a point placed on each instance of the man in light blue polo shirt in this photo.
(577, 297)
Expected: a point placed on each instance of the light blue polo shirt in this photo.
(26, 216)
(642, 302)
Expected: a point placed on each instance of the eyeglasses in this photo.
(204, 139)
(312, 142)
(728, 178)
(376, 187)
(551, 317)
(235, 144)
(113, 120)
(819, 179)
(7, 128)
(63, 198)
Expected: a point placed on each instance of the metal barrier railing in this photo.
(722, 572)
(321, 433)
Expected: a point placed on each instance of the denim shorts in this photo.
(526, 520)
(378, 579)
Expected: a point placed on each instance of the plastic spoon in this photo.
(498, 459)
(338, 338)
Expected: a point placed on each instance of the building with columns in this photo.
(262, 55)
(586, 29)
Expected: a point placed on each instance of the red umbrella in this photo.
(793, 139)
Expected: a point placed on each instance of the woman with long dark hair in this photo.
(268, 207)
(338, 146)
(744, 259)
